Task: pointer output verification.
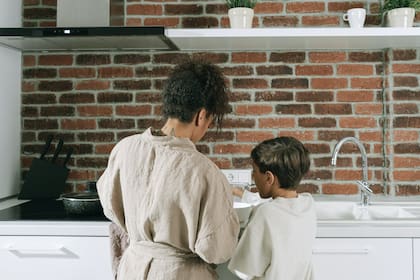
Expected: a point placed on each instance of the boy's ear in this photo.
(269, 178)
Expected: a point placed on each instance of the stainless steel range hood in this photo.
(86, 38)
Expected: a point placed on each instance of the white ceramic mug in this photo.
(356, 17)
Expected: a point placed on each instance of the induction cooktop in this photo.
(43, 210)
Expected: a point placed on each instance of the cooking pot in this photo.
(82, 203)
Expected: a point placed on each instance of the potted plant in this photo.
(400, 13)
(241, 13)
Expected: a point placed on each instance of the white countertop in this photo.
(330, 229)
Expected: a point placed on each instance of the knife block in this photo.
(44, 180)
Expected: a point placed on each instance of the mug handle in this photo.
(346, 17)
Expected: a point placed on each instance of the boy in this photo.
(277, 242)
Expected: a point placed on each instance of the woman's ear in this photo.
(201, 117)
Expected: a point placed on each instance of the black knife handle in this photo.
(57, 150)
(46, 146)
(68, 155)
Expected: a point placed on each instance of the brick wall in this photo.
(93, 100)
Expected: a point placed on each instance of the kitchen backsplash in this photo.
(94, 99)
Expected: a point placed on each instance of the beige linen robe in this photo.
(175, 205)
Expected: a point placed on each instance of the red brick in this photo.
(77, 124)
(253, 109)
(232, 149)
(329, 83)
(405, 136)
(323, 57)
(315, 70)
(276, 123)
(94, 111)
(274, 70)
(366, 56)
(268, 8)
(199, 22)
(305, 7)
(333, 109)
(410, 176)
(116, 123)
(406, 68)
(314, 96)
(93, 59)
(251, 57)
(406, 81)
(103, 149)
(288, 57)
(138, 9)
(355, 96)
(139, 110)
(293, 109)
(93, 85)
(404, 54)
(371, 136)
(274, 96)
(366, 83)
(131, 58)
(357, 122)
(171, 58)
(133, 22)
(368, 109)
(84, 175)
(320, 20)
(290, 83)
(317, 122)
(300, 135)
(250, 83)
(238, 71)
(183, 9)
(59, 60)
(77, 72)
(339, 189)
(220, 9)
(343, 6)
(211, 57)
(355, 69)
(406, 162)
(276, 21)
(115, 72)
(29, 60)
(253, 136)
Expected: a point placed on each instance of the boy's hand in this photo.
(237, 191)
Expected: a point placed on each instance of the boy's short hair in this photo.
(192, 86)
(285, 157)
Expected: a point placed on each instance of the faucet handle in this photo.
(364, 186)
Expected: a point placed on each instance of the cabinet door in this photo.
(57, 257)
(363, 258)
(416, 257)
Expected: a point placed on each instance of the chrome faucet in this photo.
(365, 190)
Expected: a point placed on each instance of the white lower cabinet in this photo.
(416, 262)
(363, 258)
(55, 257)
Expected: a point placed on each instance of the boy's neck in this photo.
(284, 193)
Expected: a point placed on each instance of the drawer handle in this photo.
(61, 252)
(347, 251)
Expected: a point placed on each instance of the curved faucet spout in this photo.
(362, 151)
(364, 186)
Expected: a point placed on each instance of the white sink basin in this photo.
(343, 210)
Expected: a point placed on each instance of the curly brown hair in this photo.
(194, 85)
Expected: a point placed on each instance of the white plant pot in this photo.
(241, 17)
(401, 17)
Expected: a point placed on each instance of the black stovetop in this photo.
(43, 210)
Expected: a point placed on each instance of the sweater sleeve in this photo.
(109, 190)
(253, 254)
(219, 224)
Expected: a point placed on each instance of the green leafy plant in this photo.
(241, 3)
(394, 4)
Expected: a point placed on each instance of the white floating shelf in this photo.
(222, 39)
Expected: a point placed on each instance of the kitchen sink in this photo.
(343, 210)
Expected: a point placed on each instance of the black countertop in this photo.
(43, 210)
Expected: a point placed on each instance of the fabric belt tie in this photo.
(160, 251)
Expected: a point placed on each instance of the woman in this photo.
(174, 203)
